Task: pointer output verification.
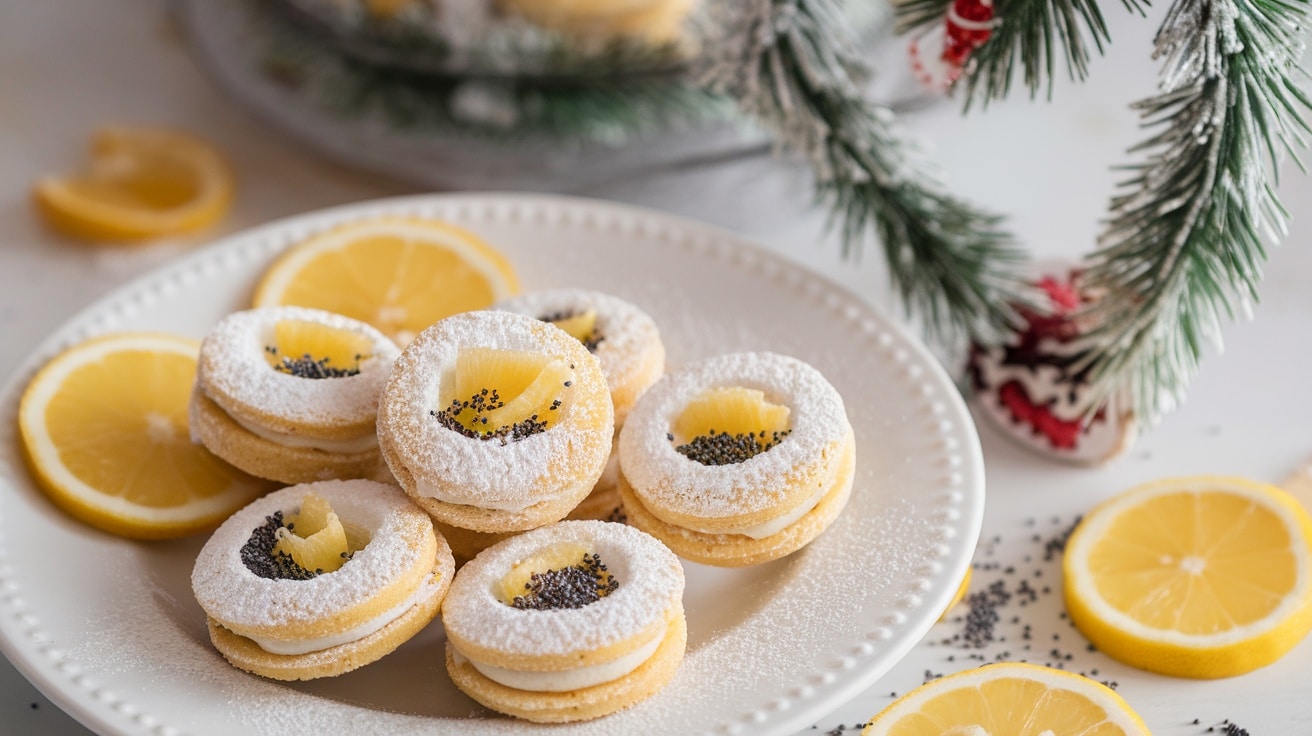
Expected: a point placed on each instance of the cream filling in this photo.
(516, 504)
(373, 625)
(362, 443)
(778, 523)
(564, 681)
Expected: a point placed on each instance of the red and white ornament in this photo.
(938, 56)
(1031, 390)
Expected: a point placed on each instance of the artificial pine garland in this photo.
(1183, 250)
(790, 64)
(1184, 243)
(1183, 246)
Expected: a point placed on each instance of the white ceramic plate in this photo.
(109, 630)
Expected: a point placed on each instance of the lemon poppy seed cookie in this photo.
(496, 422)
(628, 345)
(321, 578)
(568, 622)
(291, 393)
(737, 459)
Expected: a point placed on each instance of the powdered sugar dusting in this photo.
(486, 473)
(235, 373)
(650, 463)
(241, 600)
(650, 582)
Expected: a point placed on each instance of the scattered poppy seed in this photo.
(480, 403)
(258, 554)
(307, 366)
(722, 448)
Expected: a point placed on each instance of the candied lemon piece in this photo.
(561, 576)
(732, 410)
(508, 371)
(500, 389)
(581, 327)
(314, 537)
(515, 583)
(312, 350)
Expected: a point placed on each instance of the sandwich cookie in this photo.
(496, 422)
(567, 622)
(627, 344)
(737, 459)
(291, 394)
(321, 578)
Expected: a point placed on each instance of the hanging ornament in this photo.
(938, 56)
(1031, 390)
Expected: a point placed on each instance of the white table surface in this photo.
(67, 67)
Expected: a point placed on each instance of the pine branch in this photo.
(917, 15)
(1038, 34)
(1183, 250)
(1034, 32)
(787, 65)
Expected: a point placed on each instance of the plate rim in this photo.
(91, 320)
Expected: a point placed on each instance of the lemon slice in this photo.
(1193, 577)
(1009, 699)
(104, 431)
(958, 596)
(141, 183)
(397, 274)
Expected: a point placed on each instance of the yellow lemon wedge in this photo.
(399, 274)
(104, 431)
(1009, 699)
(1193, 577)
(140, 183)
